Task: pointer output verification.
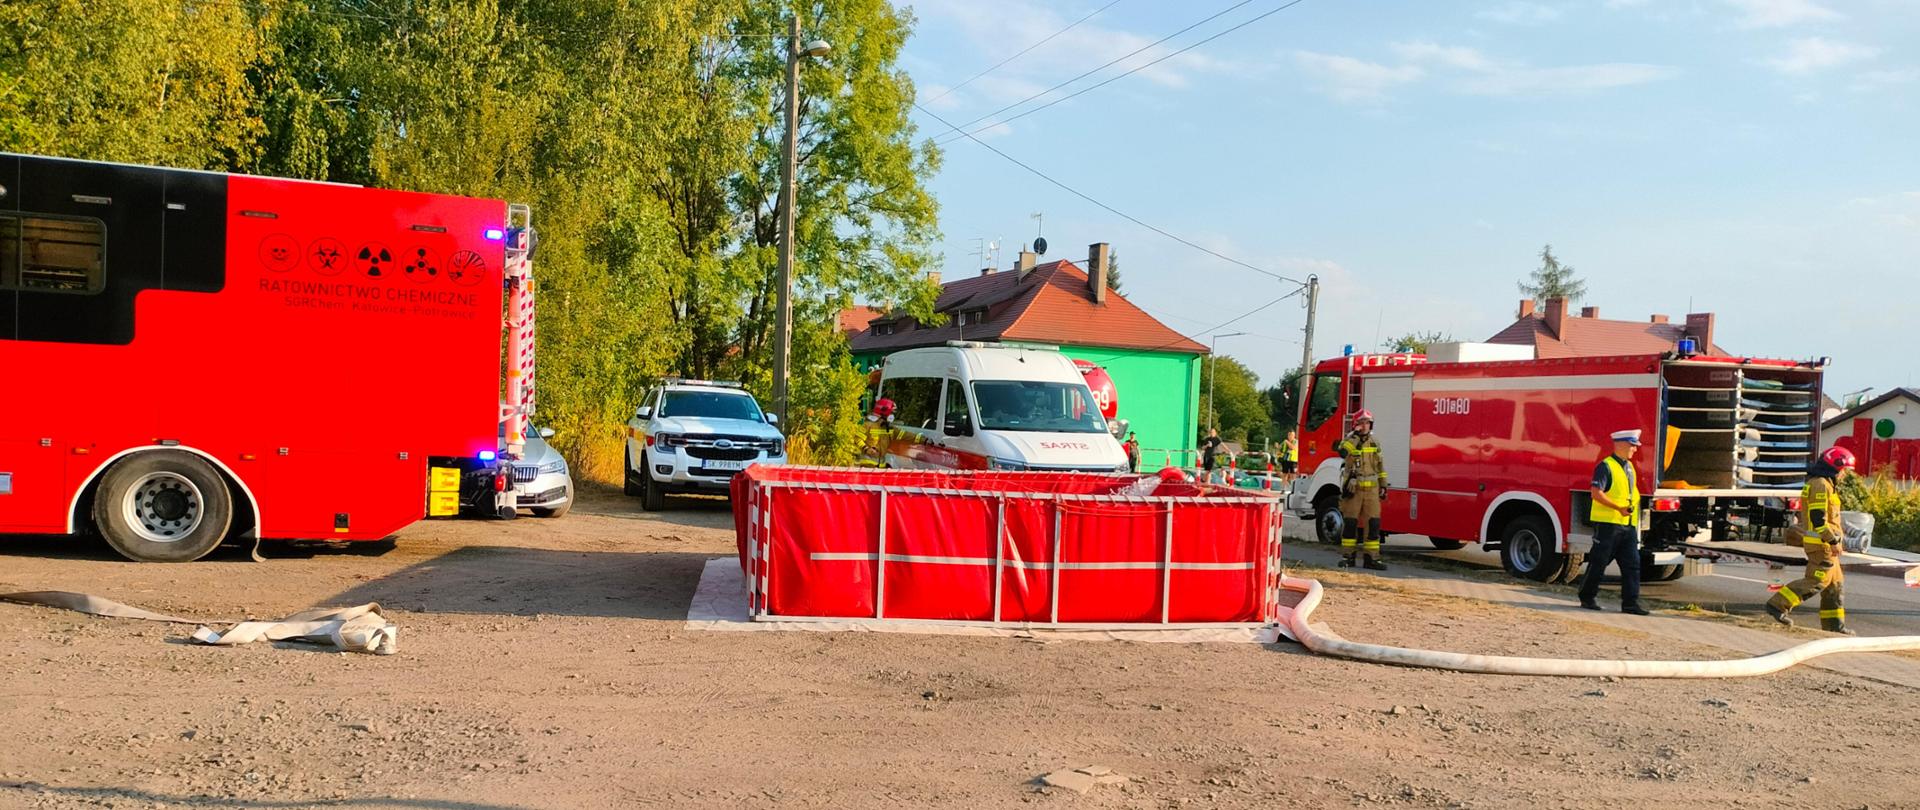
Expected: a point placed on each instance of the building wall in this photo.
(1901, 452)
(1159, 395)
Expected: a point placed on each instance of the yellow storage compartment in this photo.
(444, 479)
(443, 504)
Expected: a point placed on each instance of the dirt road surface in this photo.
(545, 664)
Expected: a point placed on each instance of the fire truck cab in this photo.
(1500, 452)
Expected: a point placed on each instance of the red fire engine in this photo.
(199, 357)
(1502, 452)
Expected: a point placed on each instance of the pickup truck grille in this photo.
(717, 454)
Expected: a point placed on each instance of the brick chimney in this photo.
(1026, 261)
(1700, 328)
(934, 275)
(1658, 319)
(1556, 315)
(1589, 312)
(1526, 308)
(986, 271)
(1099, 257)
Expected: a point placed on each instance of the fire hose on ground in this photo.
(1296, 621)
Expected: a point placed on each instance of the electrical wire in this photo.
(1091, 88)
(1129, 55)
(1002, 63)
(1110, 209)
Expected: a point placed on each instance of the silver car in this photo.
(542, 482)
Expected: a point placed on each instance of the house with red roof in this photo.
(1155, 370)
(1554, 331)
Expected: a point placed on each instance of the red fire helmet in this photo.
(1362, 415)
(883, 407)
(1840, 457)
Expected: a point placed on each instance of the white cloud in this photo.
(1620, 4)
(1808, 54)
(1353, 80)
(1516, 12)
(1479, 74)
(1781, 13)
(1872, 80)
(1452, 56)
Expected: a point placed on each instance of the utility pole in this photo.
(789, 169)
(1306, 346)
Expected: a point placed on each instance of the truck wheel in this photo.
(651, 498)
(1328, 523)
(1659, 573)
(629, 484)
(165, 506)
(1527, 550)
(1444, 544)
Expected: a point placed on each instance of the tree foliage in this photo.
(1553, 280)
(646, 136)
(1417, 342)
(1242, 408)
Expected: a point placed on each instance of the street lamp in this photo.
(1213, 370)
(789, 168)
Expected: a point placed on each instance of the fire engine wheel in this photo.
(1328, 523)
(163, 507)
(1444, 544)
(1527, 550)
(630, 483)
(651, 498)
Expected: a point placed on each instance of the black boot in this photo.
(1374, 565)
(1346, 561)
(1836, 626)
(1779, 615)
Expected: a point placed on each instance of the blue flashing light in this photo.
(496, 234)
(487, 455)
(1347, 351)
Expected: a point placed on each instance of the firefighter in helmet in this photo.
(1820, 536)
(1363, 484)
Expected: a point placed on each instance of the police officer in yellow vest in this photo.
(1363, 488)
(1820, 536)
(1615, 516)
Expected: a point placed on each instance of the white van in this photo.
(978, 406)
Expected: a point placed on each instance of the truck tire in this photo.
(651, 498)
(163, 506)
(1444, 544)
(1659, 573)
(629, 485)
(1328, 523)
(1527, 550)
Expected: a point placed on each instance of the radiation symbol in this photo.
(467, 268)
(422, 266)
(374, 260)
(324, 256)
(279, 253)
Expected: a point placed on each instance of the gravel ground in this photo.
(544, 663)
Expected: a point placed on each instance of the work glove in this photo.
(1346, 490)
(1383, 496)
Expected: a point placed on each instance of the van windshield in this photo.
(1049, 407)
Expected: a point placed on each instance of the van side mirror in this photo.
(960, 428)
(546, 433)
(772, 418)
(643, 412)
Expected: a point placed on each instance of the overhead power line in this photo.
(1129, 55)
(1002, 63)
(1108, 208)
(1111, 80)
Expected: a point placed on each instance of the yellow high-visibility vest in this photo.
(1621, 488)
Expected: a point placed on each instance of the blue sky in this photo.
(1757, 158)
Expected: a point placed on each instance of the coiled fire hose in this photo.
(1322, 640)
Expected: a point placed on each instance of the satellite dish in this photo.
(1040, 245)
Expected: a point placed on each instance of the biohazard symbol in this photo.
(279, 253)
(467, 268)
(324, 256)
(422, 266)
(374, 260)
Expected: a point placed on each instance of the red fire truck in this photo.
(197, 357)
(1502, 452)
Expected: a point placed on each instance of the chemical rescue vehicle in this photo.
(1501, 452)
(200, 357)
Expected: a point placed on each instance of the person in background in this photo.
(1210, 453)
(1364, 490)
(1289, 458)
(1132, 446)
(1615, 515)
(1820, 536)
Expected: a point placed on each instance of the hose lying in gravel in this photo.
(1322, 640)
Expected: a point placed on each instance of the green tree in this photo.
(1283, 404)
(1242, 410)
(1113, 271)
(1553, 280)
(1417, 342)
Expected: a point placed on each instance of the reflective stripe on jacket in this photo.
(1622, 487)
(1820, 495)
